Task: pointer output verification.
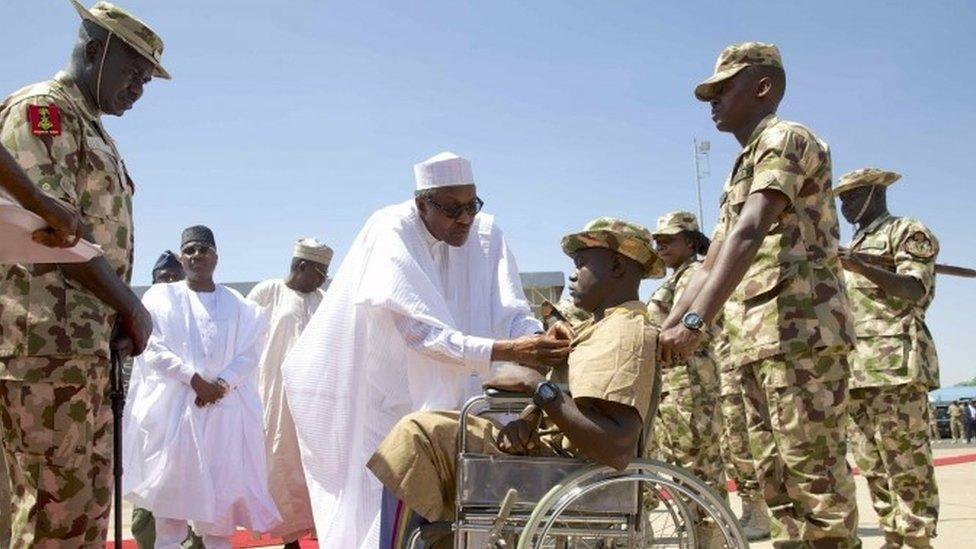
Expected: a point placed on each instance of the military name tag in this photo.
(44, 120)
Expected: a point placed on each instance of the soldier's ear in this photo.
(618, 265)
(93, 50)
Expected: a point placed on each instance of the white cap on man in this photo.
(443, 170)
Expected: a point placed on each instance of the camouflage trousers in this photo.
(796, 414)
(739, 465)
(956, 429)
(687, 430)
(57, 441)
(892, 450)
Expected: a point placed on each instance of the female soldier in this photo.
(688, 419)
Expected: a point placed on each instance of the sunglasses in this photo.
(190, 249)
(454, 212)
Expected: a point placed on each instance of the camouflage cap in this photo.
(676, 223)
(863, 178)
(129, 29)
(628, 239)
(735, 58)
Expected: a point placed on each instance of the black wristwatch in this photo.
(693, 321)
(545, 393)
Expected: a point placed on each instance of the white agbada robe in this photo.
(205, 465)
(407, 324)
(288, 313)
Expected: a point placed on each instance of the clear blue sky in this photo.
(288, 118)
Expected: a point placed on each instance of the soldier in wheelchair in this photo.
(438, 462)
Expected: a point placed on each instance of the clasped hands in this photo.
(208, 392)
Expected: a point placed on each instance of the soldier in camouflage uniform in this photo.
(933, 423)
(890, 283)
(775, 259)
(59, 322)
(688, 421)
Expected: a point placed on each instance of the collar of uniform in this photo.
(626, 306)
(584, 328)
(873, 226)
(73, 92)
(761, 127)
(684, 266)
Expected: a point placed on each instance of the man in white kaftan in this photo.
(193, 443)
(288, 305)
(426, 299)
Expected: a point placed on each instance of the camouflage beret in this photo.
(676, 223)
(735, 58)
(628, 239)
(863, 178)
(129, 29)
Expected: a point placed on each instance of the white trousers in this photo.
(170, 534)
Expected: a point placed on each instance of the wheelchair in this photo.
(506, 501)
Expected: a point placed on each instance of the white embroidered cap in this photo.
(443, 170)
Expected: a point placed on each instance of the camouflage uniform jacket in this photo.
(791, 299)
(700, 368)
(894, 345)
(42, 313)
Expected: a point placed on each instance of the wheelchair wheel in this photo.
(674, 509)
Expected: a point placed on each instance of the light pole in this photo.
(702, 170)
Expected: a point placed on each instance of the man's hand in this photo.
(518, 437)
(137, 325)
(533, 350)
(65, 226)
(851, 262)
(514, 378)
(561, 330)
(121, 344)
(677, 342)
(207, 392)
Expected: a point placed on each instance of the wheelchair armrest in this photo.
(498, 393)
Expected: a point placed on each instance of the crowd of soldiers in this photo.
(777, 345)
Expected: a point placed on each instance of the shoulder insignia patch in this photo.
(920, 245)
(44, 120)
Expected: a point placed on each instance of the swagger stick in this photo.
(118, 404)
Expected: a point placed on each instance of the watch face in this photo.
(693, 320)
(547, 392)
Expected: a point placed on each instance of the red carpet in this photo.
(245, 539)
(240, 539)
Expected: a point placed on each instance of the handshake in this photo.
(208, 392)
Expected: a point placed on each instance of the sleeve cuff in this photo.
(477, 354)
(185, 373)
(526, 325)
(231, 377)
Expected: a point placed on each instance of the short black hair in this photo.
(699, 242)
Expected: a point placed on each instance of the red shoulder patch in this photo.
(44, 120)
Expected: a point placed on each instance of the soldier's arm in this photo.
(738, 251)
(695, 284)
(893, 284)
(914, 275)
(50, 161)
(65, 222)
